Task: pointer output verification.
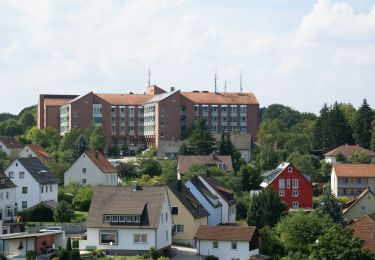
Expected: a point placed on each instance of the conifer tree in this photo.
(362, 125)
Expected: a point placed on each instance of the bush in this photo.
(30, 255)
(75, 255)
(63, 212)
(64, 255)
(211, 257)
(154, 253)
(2, 257)
(40, 213)
(69, 244)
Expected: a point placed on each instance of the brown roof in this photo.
(226, 233)
(125, 99)
(8, 183)
(39, 151)
(364, 228)
(186, 161)
(100, 161)
(226, 98)
(240, 141)
(351, 203)
(349, 150)
(354, 170)
(10, 142)
(56, 102)
(125, 201)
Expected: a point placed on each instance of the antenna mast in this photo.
(215, 81)
(149, 76)
(240, 81)
(225, 86)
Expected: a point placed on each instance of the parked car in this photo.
(51, 229)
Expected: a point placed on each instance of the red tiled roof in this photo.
(10, 142)
(39, 151)
(100, 161)
(349, 150)
(125, 99)
(225, 233)
(221, 98)
(364, 228)
(186, 161)
(354, 170)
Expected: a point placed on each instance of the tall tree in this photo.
(249, 178)
(266, 208)
(200, 140)
(362, 125)
(331, 206)
(97, 139)
(79, 146)
(373, 136)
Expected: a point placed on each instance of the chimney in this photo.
(172, 89)
(96, 154)
(134, 185)
(179, 185)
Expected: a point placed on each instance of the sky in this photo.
(300, 53)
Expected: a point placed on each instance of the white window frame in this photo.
(108, 232)
(295, 193)
(295, 204)
(282, 184)
(281, 193)
(140, 238)
(295, 183)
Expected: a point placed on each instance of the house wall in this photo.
(7, 202)
(164, 232)
(125, 239)
(27, 152)
(334, 182)
(12, 246)
(185, 218)
(33, 195)
(215, 216)
(93, 175)
(304, 188)
(224, 250)
(245, 155)
(357, 211)
(7, 150)
(50, 192)
(228, 212)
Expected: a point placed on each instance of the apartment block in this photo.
(146, 119)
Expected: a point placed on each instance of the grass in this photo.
(80, 214)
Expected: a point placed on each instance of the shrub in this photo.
(30, 255)
(211, 257)
(69, 244)
(64, 255)
(154, 253)
(75, 255)
(2, 257)
(39, 213)
(63, 212)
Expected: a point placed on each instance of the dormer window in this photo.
(121, 219)
(290, 169)
(107, 219)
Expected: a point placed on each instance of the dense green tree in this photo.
(200, 140)
(97, 139)
(113, 151)
(6, 116)
(69, 140)
(360, 157)
(27, 120)
(249, 177)
(329, 205)
(270, 244)
(82, 198)
(372, 142)
(223, 148)
(69, 244)
(338, 243)
(10, 127)
(150, 167)
(79, 146)
(63, 212)
(299, 230)
(283, 113)
(306, 163)
(183, 150)
(349, 112)
(169, 170)
(266, 208)
(242, 205)
(48, 138)
(127, 170)
(362, 125)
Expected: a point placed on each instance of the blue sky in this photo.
(300, 53)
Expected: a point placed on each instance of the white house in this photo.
(225, 196)
(347, 151)
(35, 150)
(8, 206)
(91, 168)
(208, 200)
(34, 182)
(129, 220)
(9, 145)
(227, 242)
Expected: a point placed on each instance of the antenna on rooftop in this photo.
(216, 80)
(225, 86)
(240, 81)
(149, 76)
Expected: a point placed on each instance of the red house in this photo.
(294, 188)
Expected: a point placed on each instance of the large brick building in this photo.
(145, 119)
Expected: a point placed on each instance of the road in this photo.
(185, 253)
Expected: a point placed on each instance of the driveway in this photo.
(185, 253)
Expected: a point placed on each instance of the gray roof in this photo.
(209, 196)
(146, 202)
(184, 195)
(160, 97)
(37, 169)
(168, 147)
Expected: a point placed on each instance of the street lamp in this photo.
(110, 249)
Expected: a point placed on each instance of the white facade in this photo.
(159, 238)
(7, 150)
(29, 192)
(8, 204)
(224, 250)
(85, 171)
(228, 213)
(214, 217)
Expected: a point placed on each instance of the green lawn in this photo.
(80, 214)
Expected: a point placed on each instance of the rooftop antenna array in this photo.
(215, 81)
(240, 81)
(149, 76)
(225, 86)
